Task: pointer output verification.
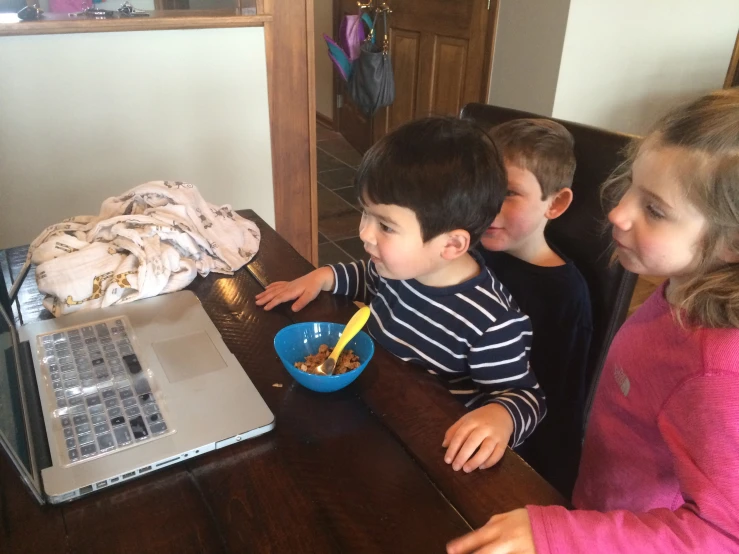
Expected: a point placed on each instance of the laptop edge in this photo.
(36, 479)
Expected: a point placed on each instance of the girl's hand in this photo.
(486, 430)
(304, 288)
(508, 533)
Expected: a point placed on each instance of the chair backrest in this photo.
(579, 233)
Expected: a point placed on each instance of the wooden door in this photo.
(441, 52)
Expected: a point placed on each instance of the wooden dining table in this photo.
(357, 470)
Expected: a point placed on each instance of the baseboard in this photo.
(325, 120)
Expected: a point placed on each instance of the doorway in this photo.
(441, 53)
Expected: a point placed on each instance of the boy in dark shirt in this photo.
(540, 163)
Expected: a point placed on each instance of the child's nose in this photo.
(619, 216)
(365, 231)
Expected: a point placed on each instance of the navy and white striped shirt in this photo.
(471, 335)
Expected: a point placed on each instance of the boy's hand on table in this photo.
(508, 533)
(488, 428)
(304, 288)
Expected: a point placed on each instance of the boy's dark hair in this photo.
(447, 170)
(541, 146)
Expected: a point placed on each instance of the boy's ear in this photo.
(559, 203)
(457, 243)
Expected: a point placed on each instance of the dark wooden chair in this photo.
(580, 234)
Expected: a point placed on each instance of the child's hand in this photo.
(304, 288)
(508, 533)
(488, 428)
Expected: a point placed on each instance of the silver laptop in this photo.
(96, 398)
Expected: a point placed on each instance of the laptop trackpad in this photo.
(188, 356)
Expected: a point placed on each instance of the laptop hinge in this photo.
(35, 412)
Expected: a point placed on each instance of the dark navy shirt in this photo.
(558, 302)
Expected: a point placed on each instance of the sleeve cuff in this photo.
(556, 530)
(539, 528)
(336, 279)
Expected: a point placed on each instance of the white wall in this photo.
(616, 65)
(528, 48)
(87, 116)
(624, 62)
(323, 22)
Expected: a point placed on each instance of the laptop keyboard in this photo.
(104, 399)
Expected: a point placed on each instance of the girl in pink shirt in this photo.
(659, 471)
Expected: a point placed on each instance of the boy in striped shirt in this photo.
(429, 190)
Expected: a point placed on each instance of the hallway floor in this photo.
(338, 209)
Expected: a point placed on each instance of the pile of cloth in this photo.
(154, 239)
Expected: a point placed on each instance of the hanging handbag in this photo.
(351, 36)
(340, 58)
(372, 85)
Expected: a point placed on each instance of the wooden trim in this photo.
(732, 75)
(325, 120)
(487, 66)
(292, 106)
(54, 24)
(310, 46)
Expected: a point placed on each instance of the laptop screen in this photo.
(15, 434)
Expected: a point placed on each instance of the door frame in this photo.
(732, 75)
(292, 116)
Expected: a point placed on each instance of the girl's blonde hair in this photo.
(708, 129)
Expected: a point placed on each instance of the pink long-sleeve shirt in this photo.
(660, 465)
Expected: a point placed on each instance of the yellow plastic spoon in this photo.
(352, 328)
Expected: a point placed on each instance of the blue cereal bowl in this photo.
(295, 342)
